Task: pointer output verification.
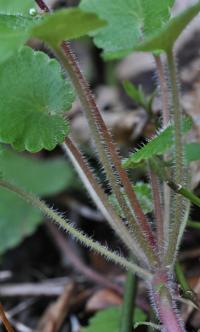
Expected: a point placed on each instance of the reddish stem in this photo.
(105, 137)
(157, 208)
(43, 6)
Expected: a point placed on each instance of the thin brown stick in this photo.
(76, 261)
(4, 319)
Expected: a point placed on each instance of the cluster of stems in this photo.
(153, 253)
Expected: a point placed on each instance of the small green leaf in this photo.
(143, 193)
(165, 38)
(157, 146)
(108, 320)
(135, 93)
(66, 24)
(192, 152)
(17, 218)
(129, 22)
(36, 95)
(16, 6)
(14, 32)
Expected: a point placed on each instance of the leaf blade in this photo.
(36, 95)
(66, 24)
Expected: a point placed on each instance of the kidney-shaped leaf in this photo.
(129, 21)
(35, 97)
(66, 24)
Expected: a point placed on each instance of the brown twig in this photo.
(5, 320)
(67, 252)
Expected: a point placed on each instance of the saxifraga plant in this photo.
(153, 247)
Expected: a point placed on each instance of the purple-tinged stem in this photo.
(157, 208)
(107, 151)
(164, 91)
(42, 6)
(165, 305)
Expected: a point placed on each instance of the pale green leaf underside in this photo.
(164, 39)
(17, 218)
(16, 6)
(108, 320)
(36, 95)
(129, 21)
(66, 24)
(157, 146)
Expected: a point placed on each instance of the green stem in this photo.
(194, 224)
(178, 177)
(78, 235)
(165, 121)
(177, 118)
(126, 324)
(158, 166)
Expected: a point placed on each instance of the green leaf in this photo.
(108, 320)
(135, 93)
(66, 24)
(35, 97)
(14, 32)
(34, 175)
(129, 22)
(16, 6)
(157, 146)
(165, 38)
(17, 218)
(143, 193)
(192, 152)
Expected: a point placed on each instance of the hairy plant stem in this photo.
(155, 186)
(100, 198)
(78, 235)
(126, 323)
(165, 121)
(107, 151)
(163, 298)
(108, 155)
(178, 176)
